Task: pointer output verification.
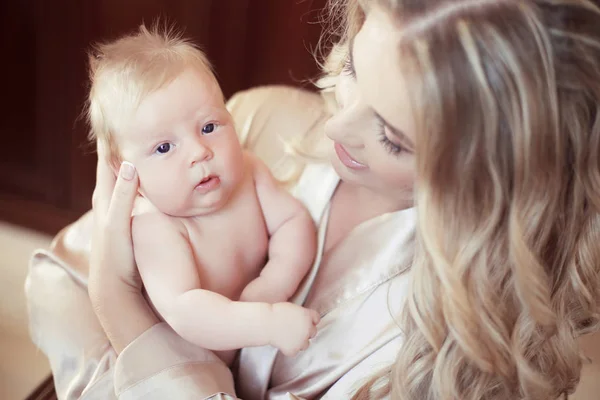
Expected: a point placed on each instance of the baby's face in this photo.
(184, 146)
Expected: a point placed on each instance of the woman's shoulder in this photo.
(275, 110)
(275, 123)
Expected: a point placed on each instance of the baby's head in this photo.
(155, 102)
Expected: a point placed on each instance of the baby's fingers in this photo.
(316, 318)
(305, 346)
(313, 331)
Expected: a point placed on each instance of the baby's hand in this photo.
(291, 327)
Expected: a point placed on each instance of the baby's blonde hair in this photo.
(125, 71)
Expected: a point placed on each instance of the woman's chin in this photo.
(346, 174)
(339, 168)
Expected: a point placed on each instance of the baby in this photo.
(217, 213)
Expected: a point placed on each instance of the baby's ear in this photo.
(115, 165)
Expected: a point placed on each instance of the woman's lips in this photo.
(208, 184)
(346, 159)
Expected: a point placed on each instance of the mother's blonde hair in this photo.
(506, 277)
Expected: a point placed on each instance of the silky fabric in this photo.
(358, 287)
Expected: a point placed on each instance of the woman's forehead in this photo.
(378, 72)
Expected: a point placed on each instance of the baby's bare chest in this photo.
(230, 249)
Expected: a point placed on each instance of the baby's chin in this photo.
(145, 205)
(195, 204)
(196, 210)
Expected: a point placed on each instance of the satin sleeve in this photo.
(161, 365)
(62, 322)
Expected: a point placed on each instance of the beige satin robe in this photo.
(357, 288)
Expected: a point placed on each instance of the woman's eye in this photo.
(348, 67)
(390, 146)
(163, 148)
(208, 128)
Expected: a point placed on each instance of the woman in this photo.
(505, 101)
(492, 109)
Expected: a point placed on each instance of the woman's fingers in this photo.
(105, 183)
(123, 198)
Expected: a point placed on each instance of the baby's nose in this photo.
(200, 153)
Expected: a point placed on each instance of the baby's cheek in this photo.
(165, 186)
(147, 176)
(232, 160)
(174, 197)
(152, 185)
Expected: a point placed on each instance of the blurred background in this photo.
(47, 169)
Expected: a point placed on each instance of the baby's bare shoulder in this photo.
(255, 164)
(156, 224)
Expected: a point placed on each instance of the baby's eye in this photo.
(208, 128)
(164, 148)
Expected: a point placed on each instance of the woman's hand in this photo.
(112, 250)
(114, 282)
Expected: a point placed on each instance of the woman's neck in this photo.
(371, 202)
(352, 205)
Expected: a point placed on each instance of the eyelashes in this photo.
(348, 68)
(387, 144)
(391, 147)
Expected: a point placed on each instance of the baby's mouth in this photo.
(208, 183)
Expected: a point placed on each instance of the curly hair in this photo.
(506, 273)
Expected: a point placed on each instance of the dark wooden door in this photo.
(47, 168)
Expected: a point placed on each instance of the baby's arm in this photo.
(167, 266)
(292, 243)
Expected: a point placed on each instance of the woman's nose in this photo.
(346, 127)
(349, 122)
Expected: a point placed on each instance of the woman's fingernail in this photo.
(127, 170)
